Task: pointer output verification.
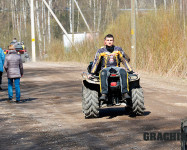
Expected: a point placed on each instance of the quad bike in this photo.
(18, 47)
(184, 134)
(91, 93)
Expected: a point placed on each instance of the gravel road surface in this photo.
(50, 114)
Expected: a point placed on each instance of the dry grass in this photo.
(83, 52)
(55, 50)
(161, 44)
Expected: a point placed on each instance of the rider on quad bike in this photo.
(106, 83)
(112, 55)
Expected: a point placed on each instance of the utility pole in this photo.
(184, 17)
(133, 34)
(70, 15)
(49, 22)
(33, 32)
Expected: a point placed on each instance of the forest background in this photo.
(161, 42)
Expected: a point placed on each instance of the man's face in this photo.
(109, 41)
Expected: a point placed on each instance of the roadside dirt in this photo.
(50, 115)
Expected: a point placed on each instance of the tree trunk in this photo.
(38, 27)
(72, 5)
(165, 4)
(25, 17)
(43, 27)
(20, 22)
(99, 18)
(18, 27)
(12, 15)
(180, 7)
(49, 22)
(136, 6)
(70, 19)
(94, 15)
(184, 17)
(155, 7)
(118, 4)
(78, 20)
(174, 6)
(90, 3)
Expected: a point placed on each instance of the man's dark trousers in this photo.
(104, 74)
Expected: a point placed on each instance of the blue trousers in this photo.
(17, 88)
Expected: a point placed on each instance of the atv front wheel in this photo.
(90, 103)
(184, 137)
(137, 101)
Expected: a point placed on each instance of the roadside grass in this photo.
(160, 43)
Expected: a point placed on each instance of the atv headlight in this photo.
(133, 77)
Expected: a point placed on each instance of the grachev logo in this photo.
(166, 136)
(169, 136)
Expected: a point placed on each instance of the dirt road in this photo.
(50, 116)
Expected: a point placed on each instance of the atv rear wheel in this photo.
(184, 137)
(137, 101)
(90, 103)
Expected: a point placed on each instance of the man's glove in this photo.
(130, 72)
(90, 76)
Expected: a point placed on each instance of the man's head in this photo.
(12, 50)
(11, 47)
(109, 40)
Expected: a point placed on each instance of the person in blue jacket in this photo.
(2, 59)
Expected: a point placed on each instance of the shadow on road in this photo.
(4, 99)
(114, 112)
(28, 100)
(22, 101)
(4, 89)
(100, 135)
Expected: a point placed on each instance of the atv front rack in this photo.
(94, 79)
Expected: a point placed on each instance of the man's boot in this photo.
(125, 96)
(103, 97)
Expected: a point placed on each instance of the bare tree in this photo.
(49, 22)
(180, 7)
(18, 22)
(25, 17)
(90, 3)
(78, 20)
(155, 6)
(70, 17)
(184, 17)
(165, 4)
(38, 28)
(99, 18)
(43, 27)
(94, 14)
